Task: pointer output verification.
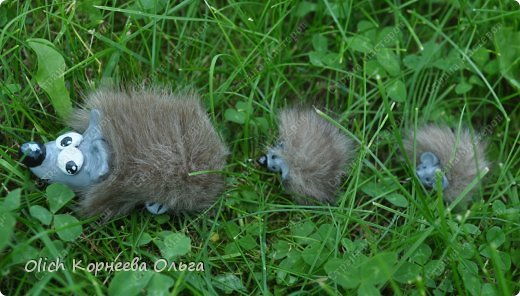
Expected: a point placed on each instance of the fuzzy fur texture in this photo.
(461, 158)
(156, 139)
(316, 153)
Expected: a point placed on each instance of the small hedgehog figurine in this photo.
(135, 147)
(456, 156)
(311, 156)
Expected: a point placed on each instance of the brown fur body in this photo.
(156, 140)
(461, 158)
(316, 153)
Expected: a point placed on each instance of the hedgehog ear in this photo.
(429, 159)
(94, 126)
(100, 159)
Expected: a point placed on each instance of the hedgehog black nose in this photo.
(262, 161)
(32, 154)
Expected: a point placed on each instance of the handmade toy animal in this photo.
(311, 156)
(135, 147)
(458, 157)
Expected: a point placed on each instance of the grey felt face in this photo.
(426, 170)
(73, 159)
(274, 163)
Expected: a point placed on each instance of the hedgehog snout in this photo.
(156, 208)
(262, 161)
(274, 163)
(32, 154)
(426, 171)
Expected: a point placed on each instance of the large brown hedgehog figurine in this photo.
(458, 156)
(311, 156)
(137, 147)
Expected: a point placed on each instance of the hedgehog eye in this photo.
(69, 139)
(70, 160)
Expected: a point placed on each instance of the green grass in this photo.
(376, 68)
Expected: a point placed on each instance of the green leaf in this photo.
(301, 231)
(412, 61)
(58, 195)
(389, 36)
(326, 234)
(3, 16)
(367, 29)
(434, 269)
(378, 269)
(338, 9)
(499, 208)
(316, 58)
(504, 261)
(374, 69)
(340, 272)
(314, 252)
(397, 200)
(372, 189)
(422, 254)
(368, 290)
(475, 80)
(430, 53)
(174, 245)
(321, 59)
(22, 253)
(144, 239)
(51, 68)
(359, 43)
(228, 283)
(54, 249)
(292, 264)
(397, 91)
(453, 59)
(319, 43)
(390, 62)
(407, 273)
(471, 229)
(468, 250)
(67, 227)
(495, 236)
(129, 283)
(244, 107)
(280, 249)
(508, 53)
(248, 243)
(467, 267)
(232, 248)
(7, 223)
(161, 219)
(235, 116)
(159, 284)
(232, 229)
(12, 200)
(472, 283)
(480, 56)
(488, 290)
(463, 87)
(492, 68)
(304, 8)
(41, 213)
(262, 124)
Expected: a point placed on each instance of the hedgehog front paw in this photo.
(156, 208)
